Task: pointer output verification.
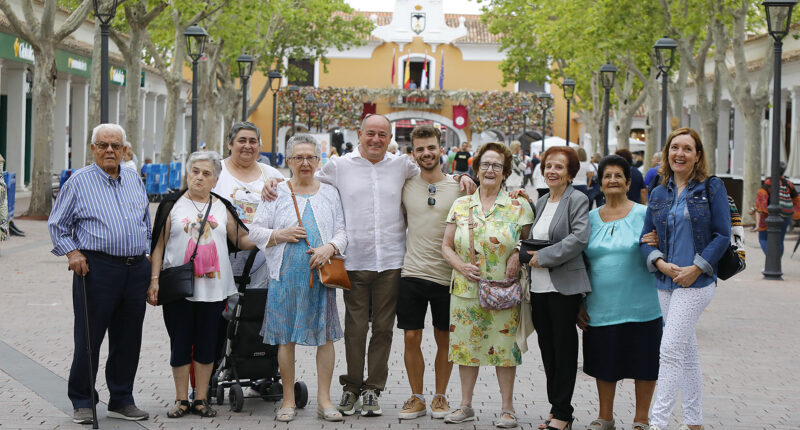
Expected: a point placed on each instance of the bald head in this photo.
(376, 119)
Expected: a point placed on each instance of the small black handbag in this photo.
(175, 283)
(531, 245)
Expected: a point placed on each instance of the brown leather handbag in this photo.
(332, 274)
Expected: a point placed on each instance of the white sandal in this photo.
(285, 415)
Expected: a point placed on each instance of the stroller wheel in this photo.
(271, 391)
(220, 395)
(237, 397)
(300, 394)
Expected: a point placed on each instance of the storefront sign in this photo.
(117, 76)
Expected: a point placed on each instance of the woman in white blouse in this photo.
(300, 310)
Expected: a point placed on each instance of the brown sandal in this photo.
(180, 409)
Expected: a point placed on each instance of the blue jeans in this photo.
(762, 235)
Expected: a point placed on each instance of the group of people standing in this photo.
(412, 237)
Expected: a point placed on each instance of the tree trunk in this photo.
(93, 116)
(171, 116)
(43, 102)
(676, 92)
(752, 160)
(133, 105)
(653, 102)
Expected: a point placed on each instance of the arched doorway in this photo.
(429, 116)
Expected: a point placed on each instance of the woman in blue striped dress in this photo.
(300, 310)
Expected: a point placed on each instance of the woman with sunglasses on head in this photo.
(690, 213)
(300, 309)
(481, 337)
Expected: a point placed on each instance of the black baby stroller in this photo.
(247, 361)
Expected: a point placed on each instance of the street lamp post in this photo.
(293, 89)
(245, 63)
(779, 15)
(274, 85)
(607, 75)
(105, 29)
(545, 101)
(322, 107)
(510, 124)
(526, 105)
(310, 99)
(569, 93)
(665, 56)
(195, 42)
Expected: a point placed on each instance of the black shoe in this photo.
(14, 230)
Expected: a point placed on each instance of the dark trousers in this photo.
(382, 288)
(554, 316)
(115, 295)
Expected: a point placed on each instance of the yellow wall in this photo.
(560, 113)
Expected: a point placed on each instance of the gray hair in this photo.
(126, 144)
(299, 139)
(392, 146)
(108, 127)
(211, 156)
(243, 125)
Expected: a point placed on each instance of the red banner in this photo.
(460, 116)
(369, 108)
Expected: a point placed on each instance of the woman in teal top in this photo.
(621, 318)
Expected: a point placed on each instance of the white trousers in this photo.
(679, 365)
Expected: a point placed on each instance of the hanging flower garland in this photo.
(342, 107)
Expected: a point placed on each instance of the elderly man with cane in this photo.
(101, 222)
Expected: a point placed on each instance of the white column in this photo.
(142, 152)
(60, 147)
(160, 114)
(147, 132)
(113, 103)
(793, 162)
(79, 125)
(15, 124)
(180, 130)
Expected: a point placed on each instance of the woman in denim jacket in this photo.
(684, 210)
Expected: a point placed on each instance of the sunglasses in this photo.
(431, 192)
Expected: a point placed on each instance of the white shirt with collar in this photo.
(371, 197)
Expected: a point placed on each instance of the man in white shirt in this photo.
(370, 183)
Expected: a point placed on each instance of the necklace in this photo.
(200, 211)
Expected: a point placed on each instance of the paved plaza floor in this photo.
(749, 347)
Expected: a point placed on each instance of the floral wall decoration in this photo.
(342, 107)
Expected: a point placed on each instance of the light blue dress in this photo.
(622, 287)
(295, 312)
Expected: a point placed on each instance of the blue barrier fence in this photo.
(11, 185)
(175, 172)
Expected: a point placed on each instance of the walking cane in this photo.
(89, 353)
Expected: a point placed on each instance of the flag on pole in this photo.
(441, 72)
(424, 80)
(407, 74)
(393, 65)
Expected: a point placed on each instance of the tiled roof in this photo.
(477, 31)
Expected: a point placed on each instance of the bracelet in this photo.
(153, 277)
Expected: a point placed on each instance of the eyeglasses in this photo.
(431, 192)
(116, 146)
(497, 167)
(300, 160)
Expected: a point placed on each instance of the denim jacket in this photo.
(711, 227)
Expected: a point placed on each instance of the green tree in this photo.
(41, 31)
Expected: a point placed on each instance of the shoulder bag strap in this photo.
(300, 222)
(472, 258)
(202, 226)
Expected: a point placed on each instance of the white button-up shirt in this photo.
(371, 197)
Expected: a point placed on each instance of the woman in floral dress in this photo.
(480, 337)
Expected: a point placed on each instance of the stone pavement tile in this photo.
(748, 349)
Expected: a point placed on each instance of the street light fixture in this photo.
(569, 93)
(545, 102)
(608, 73)
(779, 15)
(274, 85)
(526, 105)
(665, 56)
(195, 43)
(310, 99)
(245, 62)
(105, 29)
(293, 89)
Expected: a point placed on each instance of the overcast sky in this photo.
(450, 6)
